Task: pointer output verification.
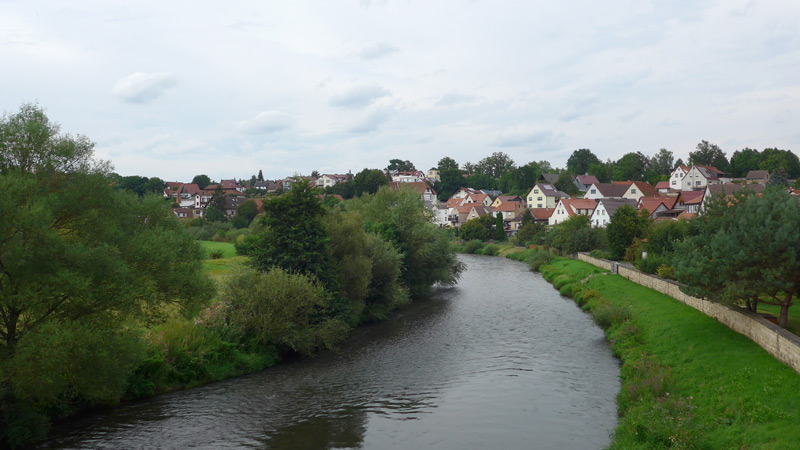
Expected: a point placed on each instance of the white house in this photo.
(686, 178)
(330, 179)
(568, 207)
(605, 210)
(606, 190)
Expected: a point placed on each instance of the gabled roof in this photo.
(758, 175)
(609, 190)
(587, 180)
(730, 188)
(693, 197)
(645, 188)
(652, 203)
(550, 191)
(611, 204)
(509, 206)
(477, 198)
(509, 198)
(662, 185)
(541, 213)
(571, 205)
(481, 210)
(710, 172)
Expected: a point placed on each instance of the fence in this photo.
(780, 343)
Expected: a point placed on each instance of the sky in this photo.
(178, 88)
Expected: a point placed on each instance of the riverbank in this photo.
(688, 381)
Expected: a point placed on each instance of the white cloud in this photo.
(358, 96)
(141, 87)
(266, 122)
(372, 120)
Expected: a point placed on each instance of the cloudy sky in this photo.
(177, 88)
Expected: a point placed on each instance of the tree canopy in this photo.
(580, 160)
(203, 180)
(708, 154)
(447, 163)
(400, 165)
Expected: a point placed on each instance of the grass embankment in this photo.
(688, 381)
(216, 268)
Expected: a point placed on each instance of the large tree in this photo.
(632, 166)
(662, 162)
(743, 161)
(626, 225)
(201, 181)
(75, 250)
(580, 160)
(447, 163)
(368, 181)
(709, 155)
(773, 159)
(400, 165)
(294, 238)
(495, 165)
(746, 250)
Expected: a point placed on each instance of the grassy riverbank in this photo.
(688, 381)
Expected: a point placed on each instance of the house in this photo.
(331, 179)
(606, 208)
(433, 176)
(426, 192)
(541, 214)
(182, 213)
(724, 190)
(758, 176)
(231, 185)
(477, 211)
(582, 182)
(568, 207)
(414, 176)
(183, 193)
(266, 186)
(686, 178)
(663, 187)
(659, 207)
(606, 190)
(692, 200)
(231, 203)
(638, 189)
(507, 198)
(509, 210)
(544, 195)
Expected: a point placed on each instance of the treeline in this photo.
(103, 296)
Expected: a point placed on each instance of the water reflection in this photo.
(501, 361)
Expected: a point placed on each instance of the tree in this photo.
(747, 249)
(519, 181)
(678, 163)
(154, 185)
(772, 159)
(496, 165)
(743, 161)
(260, 175)
(245, 213)
(134, 183)
(575, 234)
(447, 163)
(481, 228)
(663, 162)
(778, 178)
(294, 238)
(400, 165)
(30, 143)
(314, 174)
(632, 166)
(625, 226)
(580, 161)
(201, 181)
(368, 181)
(566, 184)
(499, 228)
(450, 180)
(709, 155)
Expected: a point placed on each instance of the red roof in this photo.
(541, 213)
(692, 197)
(662, 185)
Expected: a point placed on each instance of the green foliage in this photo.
(566, 184)
(746, 246)
(662, 162)
(575, 235)
(530, 233)
(450, 181)
(499, 228)
(709, 155)
(520, 180)
(743, 161)
(400, 217)
(580, 160)
(214, 214)
(473, 246)
(495, 166)
(481, 228)
(283, 309)
(245, 213)
(368, 181)
(447, 163)
(201, 181)
(490, 250)
(632, 166)
(295, 238)
(400, 165)
(626, 225)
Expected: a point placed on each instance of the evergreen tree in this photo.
(499, 228)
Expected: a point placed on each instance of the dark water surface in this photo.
(500, 361)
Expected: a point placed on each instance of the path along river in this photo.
(501, 361)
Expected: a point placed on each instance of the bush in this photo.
(491, 250)
(540, 257)
(473, 246)
(216, 254)
(608, 314)
(666, 272)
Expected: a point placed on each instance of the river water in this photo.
(501, 361)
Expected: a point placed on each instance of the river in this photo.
(500, 361)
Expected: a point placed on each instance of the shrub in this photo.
(537, 259)
(608, 314)
(569, 289)
(665, 271)
(216, 254)
(491, 250)
(473, 246)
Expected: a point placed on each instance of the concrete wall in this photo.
(780, 343)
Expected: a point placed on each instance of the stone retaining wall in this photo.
(780, 343)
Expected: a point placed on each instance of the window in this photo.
(594, 191)
(539, 205)
(633, 191)
(697, 183)
(673, 182)
(539, 198)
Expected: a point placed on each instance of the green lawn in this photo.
(794, 315)
(688, 380)
(228, 250)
